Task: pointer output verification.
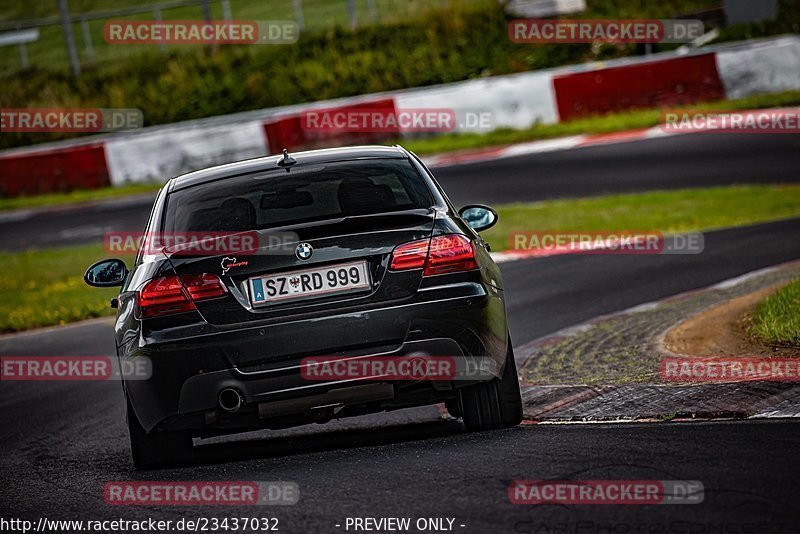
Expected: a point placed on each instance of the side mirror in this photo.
(479, 217)
(106, 273)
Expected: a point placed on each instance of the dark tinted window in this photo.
(307, 193)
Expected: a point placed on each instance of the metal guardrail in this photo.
(66, 21)
(97, 15)
(20, 38)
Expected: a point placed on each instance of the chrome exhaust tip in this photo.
(230, 400)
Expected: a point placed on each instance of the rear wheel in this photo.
(494, 404)
(157, 449)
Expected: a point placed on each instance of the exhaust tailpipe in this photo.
(230, 400)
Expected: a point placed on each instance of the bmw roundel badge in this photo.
(304, 251)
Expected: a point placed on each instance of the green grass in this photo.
(45, 287)
(682, 210)
(629, 120)
(77, 197)
(776, 320)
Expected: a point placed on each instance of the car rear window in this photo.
(306, 193)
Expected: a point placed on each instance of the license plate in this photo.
(322, 281)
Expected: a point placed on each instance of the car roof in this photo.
(271, 163)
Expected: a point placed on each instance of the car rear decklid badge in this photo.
(304, 251)
(228, 263)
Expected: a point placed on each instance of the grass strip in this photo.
(45, 287)
(776, 321)
(682, 210)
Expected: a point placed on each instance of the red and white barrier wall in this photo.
(663, 83)
(513, 101)
(156, 154)
(47, 170)
(761, 67)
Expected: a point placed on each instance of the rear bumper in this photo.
(191, 365)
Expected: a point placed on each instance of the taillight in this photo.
(410, 255)
(165, 295)
(449, 254)
(440, 255)
(204, 286)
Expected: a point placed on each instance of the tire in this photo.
(157, 449)
(494, 404)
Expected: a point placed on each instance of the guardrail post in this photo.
(157, 15)
(351, 9)
(298, 13)
(23, 55)
(206, 10)
(87, 39)
(69, 38)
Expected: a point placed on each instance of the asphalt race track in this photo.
(696, 160)
(64, 440)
